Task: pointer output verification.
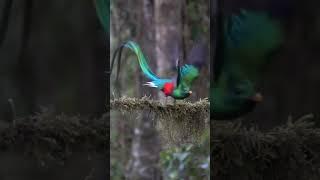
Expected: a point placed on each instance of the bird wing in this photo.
(196, 58)
(188, 73)
(156, 81)
(249, 39)
(178, 70)
(198, 54)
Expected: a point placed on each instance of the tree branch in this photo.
(55, 136)
(132, 104)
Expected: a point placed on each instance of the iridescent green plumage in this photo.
(250, 38)
(187, 74)
(144, 64)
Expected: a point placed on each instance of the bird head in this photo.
(234, 101)
(181, 93)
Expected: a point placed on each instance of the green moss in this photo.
(290, 151)
(47, 136)
(180, 123)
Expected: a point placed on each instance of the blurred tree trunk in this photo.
(145, 145)
(52, 60)
(168, 23)
(52, 53)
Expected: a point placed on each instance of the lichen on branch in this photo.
(179, 123)
(290, 151)
(181, 106)
(47, 135)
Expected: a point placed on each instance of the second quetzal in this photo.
(250, 38)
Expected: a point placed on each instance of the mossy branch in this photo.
(55, 136)
(182, 122)
(181, 106)
(291, 151)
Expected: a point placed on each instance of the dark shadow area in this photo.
(274, 141)
(53, 59)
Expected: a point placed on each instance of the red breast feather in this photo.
(168, 88)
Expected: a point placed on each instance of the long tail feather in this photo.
(142, 60)
(119, 53)
(155, 80)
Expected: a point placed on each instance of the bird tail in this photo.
(141, 58)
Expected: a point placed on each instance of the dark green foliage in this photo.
(287, 152)
(187, 161)
(196, 18)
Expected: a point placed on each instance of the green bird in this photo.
(178, 87)
(250, 38)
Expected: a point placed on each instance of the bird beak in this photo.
(190, 92)
(257, 97)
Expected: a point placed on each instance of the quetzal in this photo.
(250, 38)
(178, 87)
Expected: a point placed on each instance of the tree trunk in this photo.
(168, 16)
(146, 146)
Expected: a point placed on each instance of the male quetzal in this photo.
(177, 87)
(250, 38)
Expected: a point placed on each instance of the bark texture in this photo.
(145, 146)
(168, 23)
